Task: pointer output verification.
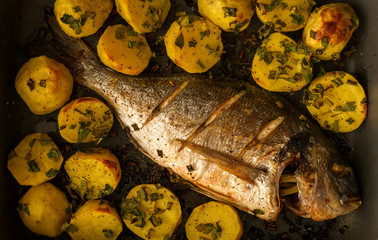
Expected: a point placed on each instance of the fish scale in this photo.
(236, 138)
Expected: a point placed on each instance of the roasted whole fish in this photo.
(229, 138)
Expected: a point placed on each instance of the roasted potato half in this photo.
(281, 64)
(329, 29)
(144, 16)
(194, 43)
(44, 84)
(337, 101)
(44, 209)
(96, 219)
(85, 119)
(214, 220)
(230, 16)
(151, 211)
(285, 15)
(124, 50)
(81, 18)
(35, 160)
(93, 172)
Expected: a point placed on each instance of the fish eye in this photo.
(338, 170)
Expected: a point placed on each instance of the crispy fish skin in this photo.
(227, 137)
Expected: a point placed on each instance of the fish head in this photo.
(326, 185)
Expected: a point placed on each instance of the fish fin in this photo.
(214, 115)
(165, 102)
(226, 162)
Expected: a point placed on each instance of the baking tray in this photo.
(22, 23)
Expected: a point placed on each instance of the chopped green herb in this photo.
(265, 30)
(297, 18)
(257, 211)
(131, 44)
(337, 81)
(120, 33)
(24, 207)
(149, 233)
(82, 133)
(350, 82)
(272, 74)
(31, 144)
(135, 127)
(325, 42)
(283, 6)
(76, 9)
(205, 228)
(265, 55)
(62, 127)
(31, 84)
(107, 233)
(42, 83)
(54, 154)
(72, 126)
(108, 189)
(192, 43)
(146, 25)
(348, 107)
(154, 196)
(52, 173)
(326, 125)
(180, 41)
(200, 64)
(229, 12)
(73, 23)
(350, 121)
(270, 7)
(169, 205)
(335, 126)
(69, 228)
(313, 34)
(353, 22)
(33, 166)
(341, 74)
(156, 221)
(68, 210)
(190, 168)
(204, 34)
(364, 100)
(240, 25)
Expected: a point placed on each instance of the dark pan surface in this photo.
(22, 22)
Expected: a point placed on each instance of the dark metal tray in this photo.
(22, 22)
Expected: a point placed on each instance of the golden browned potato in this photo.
(281, 64)
(44, 209)
(214, 220)
(85, 120)
(230, 16)
(124, 50)
(93, 173)
(194, 43)
(35, 160)
(285, 15)
(81, 18)
(151, 212)
(144, 16)
(96, 220)
(329, 29)
(337, 101)
(44, 84)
